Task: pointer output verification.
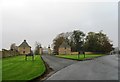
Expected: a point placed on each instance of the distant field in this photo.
(17, 68)
(81, 57)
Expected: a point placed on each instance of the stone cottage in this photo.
(64, 48)
(24, 48)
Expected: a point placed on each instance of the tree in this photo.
(105, 43)
(57, 42)
(73, 47)
(91, 43)
(37, 48)
(60, 38)
(97, 42)
(77, 40)
(13, 47)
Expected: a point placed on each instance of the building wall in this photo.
(40, 50)
(26, 49)
(64, 51)
(49, 51)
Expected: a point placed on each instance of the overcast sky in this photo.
(42, 20)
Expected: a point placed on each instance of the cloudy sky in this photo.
(42, 20)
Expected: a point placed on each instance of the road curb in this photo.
(80, 60)
(45, 74)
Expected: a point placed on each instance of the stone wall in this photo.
(93, 53)
(49, 51)
(64, 51)
(89, 52)
(74, 53)
(9, 53)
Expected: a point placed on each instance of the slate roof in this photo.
(24, 44)
(64, 44)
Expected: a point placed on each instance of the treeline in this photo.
(92, 42)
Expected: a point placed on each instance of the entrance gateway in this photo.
(46, 50)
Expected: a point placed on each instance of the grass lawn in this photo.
(17, 68)
(81, 57)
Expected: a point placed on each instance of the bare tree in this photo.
(37, 47)
(13, 47)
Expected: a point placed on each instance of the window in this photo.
(23, 52)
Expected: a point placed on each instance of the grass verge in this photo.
(81, 57)
(17, 68)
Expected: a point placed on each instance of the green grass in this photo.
(81, 57)
(17, 68)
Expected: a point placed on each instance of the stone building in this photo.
(49, 50)
(24, 48)
(41, 50)
(64, 48)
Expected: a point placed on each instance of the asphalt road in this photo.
(57, 63)
(103, 68)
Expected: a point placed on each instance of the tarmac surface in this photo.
(102, 68)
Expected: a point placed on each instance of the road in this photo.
(103, 68)
(57, 63)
